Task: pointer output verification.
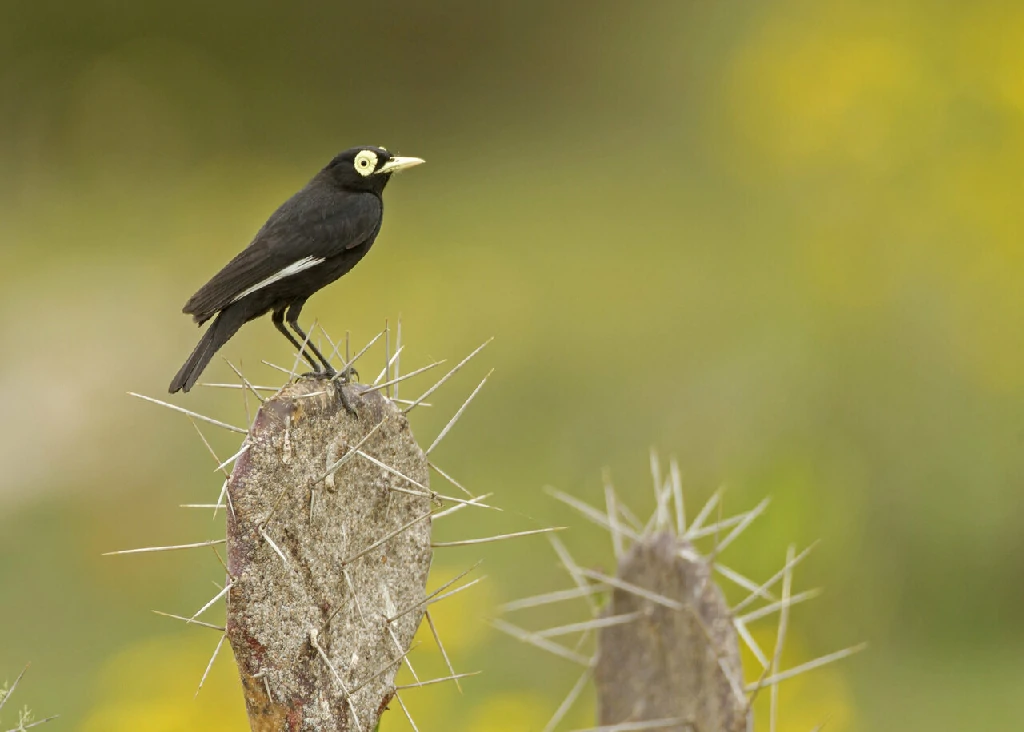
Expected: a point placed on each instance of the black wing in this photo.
(315, 223)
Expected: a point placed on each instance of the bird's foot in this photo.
(346, 376)
(339, 381)
(323, 375)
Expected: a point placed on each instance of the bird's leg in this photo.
(339, 389)
(293, 321)
(278, 318)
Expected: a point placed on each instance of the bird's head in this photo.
(366, 168)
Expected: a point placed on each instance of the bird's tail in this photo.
(224, 326)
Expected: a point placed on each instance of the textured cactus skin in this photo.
(287, 617)
(670, 663)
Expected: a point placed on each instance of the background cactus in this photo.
(661, 644)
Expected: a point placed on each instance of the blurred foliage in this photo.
(151, 685)
(781, 241)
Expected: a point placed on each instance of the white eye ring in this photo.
(365, 162)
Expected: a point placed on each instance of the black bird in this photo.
(314, 238)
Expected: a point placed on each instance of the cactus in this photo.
(329, 512)
(677, 656)
(666, 645)
(328, 554)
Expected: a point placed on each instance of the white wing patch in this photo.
(301, 266)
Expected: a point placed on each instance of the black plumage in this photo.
(315, 237)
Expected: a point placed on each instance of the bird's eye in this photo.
(365, 162)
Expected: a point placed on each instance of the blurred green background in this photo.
(781, 242)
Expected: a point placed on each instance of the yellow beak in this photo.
(397, 163)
